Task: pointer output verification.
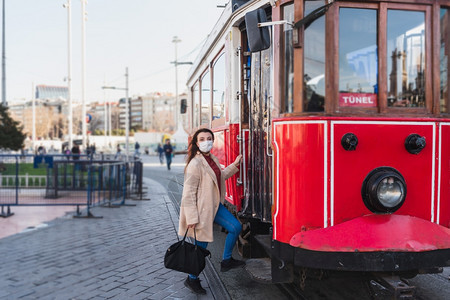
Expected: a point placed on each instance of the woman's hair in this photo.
(193, 148)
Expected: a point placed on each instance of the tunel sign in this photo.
(358, 99)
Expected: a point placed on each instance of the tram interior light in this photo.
(384, 190)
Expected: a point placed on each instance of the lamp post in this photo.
(3, 58)
(176, 40)
(105, 115)
(83, 71)
(127, 114)
(33, 107)
(69, 70)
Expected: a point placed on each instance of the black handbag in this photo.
(186, 257)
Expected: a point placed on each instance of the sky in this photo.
(136, 34)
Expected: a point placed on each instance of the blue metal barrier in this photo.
(49, 180)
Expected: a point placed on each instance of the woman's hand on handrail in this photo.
(238, 160)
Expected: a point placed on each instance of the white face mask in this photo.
(205, 146)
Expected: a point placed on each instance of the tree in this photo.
(11, 135)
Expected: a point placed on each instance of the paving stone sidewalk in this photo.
(119, 256)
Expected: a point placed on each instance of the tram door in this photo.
(258, 94)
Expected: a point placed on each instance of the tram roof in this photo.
(228, 18)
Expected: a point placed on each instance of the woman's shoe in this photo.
(195, 286)
(230, 263)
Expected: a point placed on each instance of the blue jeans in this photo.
(168, 160)
(225, 219)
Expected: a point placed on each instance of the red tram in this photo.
(342, 112)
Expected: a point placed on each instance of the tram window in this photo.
(444, 60)
(205, 99)
(288, 15)
(358, 61)
(219, 90)
(406, 58)
(314, 61)
(196, 106)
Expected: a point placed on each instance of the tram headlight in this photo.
(384, 190)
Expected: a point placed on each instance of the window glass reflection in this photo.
(206, 98)
(219, 89)
(406, 58)
(288, 13)
(358, 57)
(196, 108)
(314, 61)
(443, 59)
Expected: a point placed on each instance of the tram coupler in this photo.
(8, 212)
(400, 289)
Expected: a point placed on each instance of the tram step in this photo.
(259, 269)
(265, 241)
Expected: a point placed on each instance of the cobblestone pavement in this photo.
(119, 256)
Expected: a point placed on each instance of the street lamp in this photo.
(127, 117)
(69, 70)
(4, 103)
(176, 40)
(83, 71)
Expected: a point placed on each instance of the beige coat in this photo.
(201, 196)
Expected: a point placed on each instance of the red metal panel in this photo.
(299, 177)
(228, 192)
(226, 148)
(219, 146)
(381, 144)
(381, 233)
(444, 196)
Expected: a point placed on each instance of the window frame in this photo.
(432, 87)
(220, 121)
(282, 74)
(195, 124)
(382, 108)
(206, 73)
(436, 62)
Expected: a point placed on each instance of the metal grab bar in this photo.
(240, 138)
(267, 127)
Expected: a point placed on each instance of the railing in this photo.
(66, 180)
(25, 181)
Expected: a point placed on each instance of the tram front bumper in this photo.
(374, 243)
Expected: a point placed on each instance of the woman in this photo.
(201, 203)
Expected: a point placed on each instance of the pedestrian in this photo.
(118, 152)
(67, 152)
(88, 150)
(76, 152)
(201, 202)
(146, 150)
(136, 149)
(168, 152)
(41, 150)
(160, 151)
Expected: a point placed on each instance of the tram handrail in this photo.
(267, 127)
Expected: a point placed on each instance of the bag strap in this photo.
(195, 237)
(185, 235)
